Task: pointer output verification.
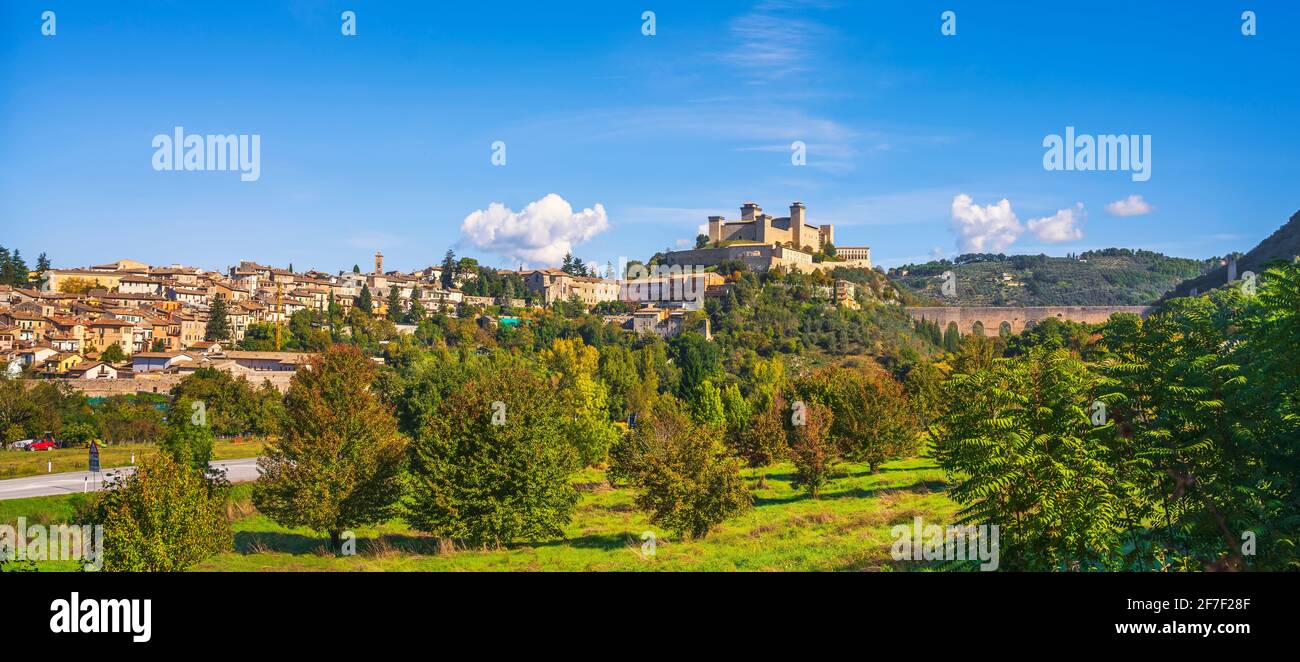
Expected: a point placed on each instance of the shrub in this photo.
(163, 517)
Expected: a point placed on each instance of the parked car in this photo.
(48, 443)
(22, 445)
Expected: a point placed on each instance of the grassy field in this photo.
(20, 463)
(846, 529)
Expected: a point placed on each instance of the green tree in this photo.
(126, 419)
(618, 371)
(258, 337)
(706, 406)
(364, 302)
(113, 354)
(218, 327)
(493, 464)
(736, 411)
(338, 462)
(698, 359)
(18, 267)
(448, 276)
(394, 305)
(417, 312)
(1024, 455)
(952, 338)
(763, 440)
(186, 441)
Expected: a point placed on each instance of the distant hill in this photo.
(1284, 244)
(1109, 277)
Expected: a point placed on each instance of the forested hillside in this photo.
(1108, 277)
(1284, 244)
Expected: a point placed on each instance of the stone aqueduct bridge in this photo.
(991, 318)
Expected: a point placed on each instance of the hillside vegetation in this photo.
(1109, 277)
(1284, 244)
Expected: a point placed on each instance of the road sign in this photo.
(94, 457)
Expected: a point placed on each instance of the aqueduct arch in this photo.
(1016, 319)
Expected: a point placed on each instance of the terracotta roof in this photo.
(108, 321)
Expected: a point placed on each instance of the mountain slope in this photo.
(1284, 244)
(1109, 277)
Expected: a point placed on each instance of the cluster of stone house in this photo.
(158, 315)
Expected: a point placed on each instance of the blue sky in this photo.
(382, 140)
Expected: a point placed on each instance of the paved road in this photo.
(67, 483)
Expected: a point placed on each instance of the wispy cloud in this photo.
(777, 40)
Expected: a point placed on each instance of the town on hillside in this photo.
(129, 327)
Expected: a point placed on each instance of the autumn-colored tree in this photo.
(873, 421)
(163, 517)
(584, 398)
(76, 285)
(811, 448)
(339, 459)
(683, 475)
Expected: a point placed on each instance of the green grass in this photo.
(847, 528)
(20, 463)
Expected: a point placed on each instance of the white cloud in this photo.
(1133, 205)
(542, 232)
(1061, 226)
(986, 229)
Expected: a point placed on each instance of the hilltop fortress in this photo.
(764, 242)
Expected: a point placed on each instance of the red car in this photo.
(46, 444)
